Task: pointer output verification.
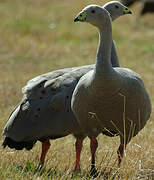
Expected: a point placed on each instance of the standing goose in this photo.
(116, 96)
(45, 110)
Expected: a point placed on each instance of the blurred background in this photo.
(40, 36)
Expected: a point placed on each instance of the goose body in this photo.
(127, 94)
(50, 102)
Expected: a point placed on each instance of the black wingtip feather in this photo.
(4, 144)
(17, 145)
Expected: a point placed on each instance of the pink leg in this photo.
(78, 147)
(45, 148)
(120, 153)
(93, 147)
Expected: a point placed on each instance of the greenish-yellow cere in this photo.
(82, 16)
(125, 10)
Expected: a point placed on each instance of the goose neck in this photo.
(103, 59)
(114, 56)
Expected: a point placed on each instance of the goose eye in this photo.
(93, 11)
(116, 6)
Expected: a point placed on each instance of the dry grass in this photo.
(40, 36)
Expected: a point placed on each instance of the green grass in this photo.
(40, 36)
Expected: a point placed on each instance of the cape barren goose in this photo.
(45, 112)
(107, 97)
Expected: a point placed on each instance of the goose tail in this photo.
(17, 145)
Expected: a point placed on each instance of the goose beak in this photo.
(76, 19)
(81, 17)
(126, 10)
(129, 12)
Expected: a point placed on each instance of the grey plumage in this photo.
(49, 99)
(116, 96)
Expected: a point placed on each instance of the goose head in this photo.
(93, 14)
(116, 9)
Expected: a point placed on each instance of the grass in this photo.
(40, 36)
